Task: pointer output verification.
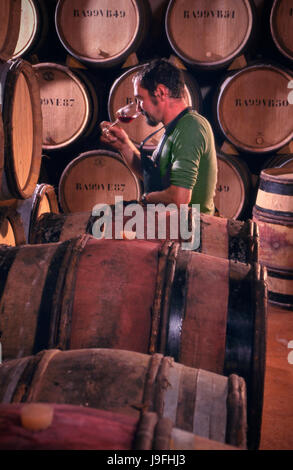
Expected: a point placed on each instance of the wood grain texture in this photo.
(208, 33)
(115, 380)
(10, 17)
(247, 110)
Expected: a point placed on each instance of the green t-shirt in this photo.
(188, 158)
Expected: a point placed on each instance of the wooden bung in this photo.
(104, 33)
(36, 416)
(94, 177)
(132, 383)
(219, 236)
(170, 312)
(209, 33)
(76, 427)
(250, 102)
(69, 104)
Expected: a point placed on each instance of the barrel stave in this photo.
(96, 177)
(117, 381)
(246, 110)
(273, 214)
(22, 123)
(206, 35)
(70, 104)
(118, 30)
(10, 18)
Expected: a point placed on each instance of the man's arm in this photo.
(173, 194)
(119, 139)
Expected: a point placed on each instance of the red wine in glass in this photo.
(126, 119)
(126, 114)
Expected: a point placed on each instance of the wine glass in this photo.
(126, 114)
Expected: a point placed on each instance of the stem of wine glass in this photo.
(113, 123)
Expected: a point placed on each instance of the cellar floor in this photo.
(277, 420)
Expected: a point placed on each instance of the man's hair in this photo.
(161, 71)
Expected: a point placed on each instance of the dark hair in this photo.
(161, 71)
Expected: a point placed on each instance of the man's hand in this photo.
(114, 136)
(119, 140)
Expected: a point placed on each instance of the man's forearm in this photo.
(171, 195)
(134, 162)
(159, 196)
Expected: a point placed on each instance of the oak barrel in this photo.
(279, 160)
(22, 129)
(43, 201)
(218, 236)
(209, 33)
(281, 27)
(19, 217)
(207, 404)
(249, 102)
(82, 428)
(12, 230)
(96, 176)
(84, 300)
(10, 14)
(273, 213)
(102, 33)
(70, 104)
(233, 186)
(33, 27)
(121, 93)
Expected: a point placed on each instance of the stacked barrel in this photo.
(154, 346)
(21, 198)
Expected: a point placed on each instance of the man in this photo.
(183, 168)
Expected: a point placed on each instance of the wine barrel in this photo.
(43, 201)
(69, 104)
(209, 34)
(84, 300)
(83, 428)
(248, 104)
(233, 186)
(279, 160)
(19, 218)
(10, 14)
(104, 33)
(281, 27)
(226, 238)
(96, 176)
(125, 382)
(273, 213)
(22, 125)
(33, 27)
(121, 93)
(12, 231)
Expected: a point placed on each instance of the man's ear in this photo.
(161, 91)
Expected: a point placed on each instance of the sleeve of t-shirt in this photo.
(187, 149)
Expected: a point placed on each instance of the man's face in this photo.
(148, 105)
